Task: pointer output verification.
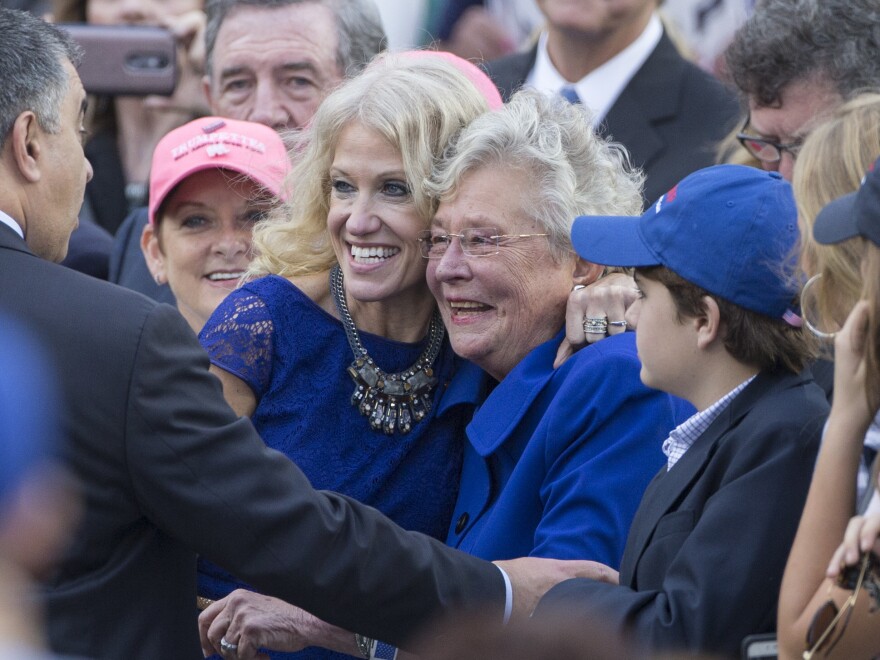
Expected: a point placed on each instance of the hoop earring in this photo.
(821, 334)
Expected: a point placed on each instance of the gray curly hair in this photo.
(575, 172)
(32, 75)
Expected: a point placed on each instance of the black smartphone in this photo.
(125, 60)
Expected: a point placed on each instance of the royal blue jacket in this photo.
(557, 460)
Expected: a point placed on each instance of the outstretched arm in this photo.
(253, 621)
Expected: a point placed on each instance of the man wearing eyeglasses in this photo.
(794, 61)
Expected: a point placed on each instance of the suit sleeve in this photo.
(722, 583)
(205, 477)
(603, 447)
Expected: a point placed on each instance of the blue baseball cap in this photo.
(855, 214)
(729, 229)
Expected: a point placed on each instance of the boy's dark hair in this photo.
(753, 338)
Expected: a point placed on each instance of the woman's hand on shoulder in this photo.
(608, 297)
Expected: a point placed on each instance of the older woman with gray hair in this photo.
(556, 459)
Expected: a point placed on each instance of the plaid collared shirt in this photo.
(685, 434)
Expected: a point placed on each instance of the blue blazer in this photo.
(557, 460)
(704, 559)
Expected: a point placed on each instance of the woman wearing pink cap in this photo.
(211, 180)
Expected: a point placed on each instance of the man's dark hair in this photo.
(32, 75)
(358, 26)
(790, 40)
(752, 338)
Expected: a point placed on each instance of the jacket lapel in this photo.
(653, 95)
(668, 489)
(510, 401)
(9, 239)
(510, 73)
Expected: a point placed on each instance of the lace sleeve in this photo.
(238, 339)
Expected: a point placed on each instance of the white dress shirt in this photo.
(599, 89)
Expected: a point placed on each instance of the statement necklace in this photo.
(390, 401)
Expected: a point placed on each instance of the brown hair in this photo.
(750, 337)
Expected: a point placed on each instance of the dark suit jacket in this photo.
(705, 554)
(168, 471)
(128, 267)
(105, 193)
(670, 116)
(89, 249)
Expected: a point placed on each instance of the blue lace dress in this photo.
(294, 356)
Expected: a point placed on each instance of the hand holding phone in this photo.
(125, 60)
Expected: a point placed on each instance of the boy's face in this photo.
(667, 347)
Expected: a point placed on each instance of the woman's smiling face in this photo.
(498, 308)
(372, 220)
(202, 245)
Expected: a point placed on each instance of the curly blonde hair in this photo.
(417, 104)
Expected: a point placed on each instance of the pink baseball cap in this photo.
(251, 149)
(471, 71)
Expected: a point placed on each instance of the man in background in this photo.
(271, 62)
(794, 61)
(616, 58)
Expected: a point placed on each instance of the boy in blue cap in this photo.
(705, 554)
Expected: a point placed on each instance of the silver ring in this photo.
(228, 647)
(617, 324)
(595, 325)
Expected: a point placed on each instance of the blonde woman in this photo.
(336, 350)
(831, 164)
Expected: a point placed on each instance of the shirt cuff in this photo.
(508, 595)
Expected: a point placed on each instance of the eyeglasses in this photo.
(767, 151)
(823, 633)
(475, 242)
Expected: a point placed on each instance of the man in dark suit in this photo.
(704, 558)
(668, 113)
(167, 469)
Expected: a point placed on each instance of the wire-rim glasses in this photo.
(475, 241)
(767, 151)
